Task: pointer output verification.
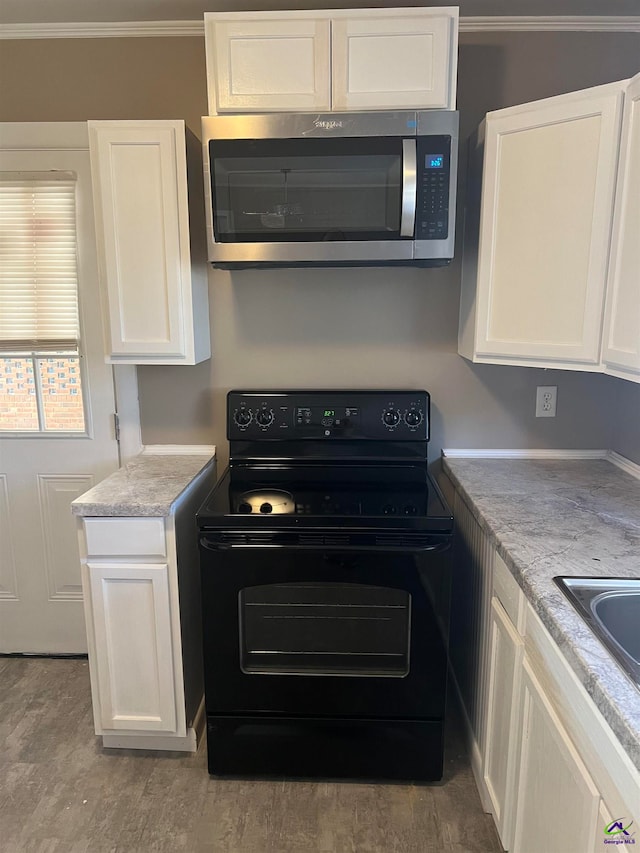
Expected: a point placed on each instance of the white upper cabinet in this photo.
(307, 61)
(621, 345)
(259, 64)
(537, 233)
(395, 59)
(152, 266)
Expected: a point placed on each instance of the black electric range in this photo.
(325, 565)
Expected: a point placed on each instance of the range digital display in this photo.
(326, 416)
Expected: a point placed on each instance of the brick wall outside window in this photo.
(62, 403)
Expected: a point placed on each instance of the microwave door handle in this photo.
(409, 188)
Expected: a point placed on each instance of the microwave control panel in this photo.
(433, 187)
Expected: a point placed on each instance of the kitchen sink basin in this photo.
(611, 608)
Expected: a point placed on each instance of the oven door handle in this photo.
(409, 188)
(218, 543)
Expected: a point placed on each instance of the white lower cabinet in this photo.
(547, 765)
(131, 605)
(506, 649)
(557, 801)
(141, 589)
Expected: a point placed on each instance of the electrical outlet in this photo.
(546, 399)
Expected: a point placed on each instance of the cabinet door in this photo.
(621, 350)
(271, 64)
(386, 61)
(502, 732)
(133, 646)
(547, 200)
(557, 808)
(142, 221)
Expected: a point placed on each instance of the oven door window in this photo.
(293, 190)
(324, 629)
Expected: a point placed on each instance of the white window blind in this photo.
(38, 262)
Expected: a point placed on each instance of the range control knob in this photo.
(265, 417)
(391, 417)
(242, 417)
(413, 417)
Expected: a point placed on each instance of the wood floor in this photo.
(60, 792)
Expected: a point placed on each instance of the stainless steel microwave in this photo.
(336, 189)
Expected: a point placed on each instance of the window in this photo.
(39, 321)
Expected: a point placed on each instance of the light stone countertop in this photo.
(564, 517)
(146, 486)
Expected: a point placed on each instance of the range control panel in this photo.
(298, 415)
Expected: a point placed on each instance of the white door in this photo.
(506, 649)
(622, 320)
(547, 201)
(56, 429)
(273, 62)
(384, 61)
(557, 808)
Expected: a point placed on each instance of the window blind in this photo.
(38, 262)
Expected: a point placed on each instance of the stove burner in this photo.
(269, 501)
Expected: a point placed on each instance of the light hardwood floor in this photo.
(61, 792)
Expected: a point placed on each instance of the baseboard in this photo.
(188, 743)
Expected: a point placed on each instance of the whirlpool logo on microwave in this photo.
(617, 833)
(327, 124)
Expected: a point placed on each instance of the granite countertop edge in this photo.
(577, 643)
(149, 485)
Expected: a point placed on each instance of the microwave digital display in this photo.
(434, 161)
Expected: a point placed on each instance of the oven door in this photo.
(300, 631)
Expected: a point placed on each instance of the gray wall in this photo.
(342, 328)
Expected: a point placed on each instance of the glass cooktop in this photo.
(346, 496)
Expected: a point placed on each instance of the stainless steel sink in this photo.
(611, 608)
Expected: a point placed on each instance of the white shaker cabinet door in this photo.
(537, 295)
(557, 810)
(392, 60)
(133, 640)
(621, 346)
(139, 174)
(506, 649)
(273, 64)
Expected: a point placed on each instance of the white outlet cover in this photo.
(546, 401)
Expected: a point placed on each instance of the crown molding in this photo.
(551, 23)
(162, 29)
(103, 29)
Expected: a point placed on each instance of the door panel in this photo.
(41, 607)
